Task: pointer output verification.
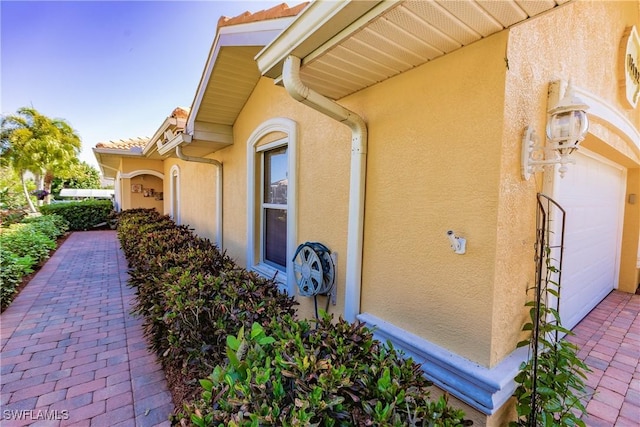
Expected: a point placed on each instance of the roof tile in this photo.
(124, 144)
(280, 11)
(180, 113)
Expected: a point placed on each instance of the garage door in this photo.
(592, 193)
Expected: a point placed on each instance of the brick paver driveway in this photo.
(71, 353)
(609, 343)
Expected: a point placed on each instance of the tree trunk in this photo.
(32, 208)
(47, 181)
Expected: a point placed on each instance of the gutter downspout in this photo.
(355, 229)
(218, 165)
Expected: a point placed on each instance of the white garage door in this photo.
(592, 193)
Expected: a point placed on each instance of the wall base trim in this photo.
(480, 387)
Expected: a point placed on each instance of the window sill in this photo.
(271, 273)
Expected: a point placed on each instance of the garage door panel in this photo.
(592, 195)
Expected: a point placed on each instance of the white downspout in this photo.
(218, 165)
(355, 228)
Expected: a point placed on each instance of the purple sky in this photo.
(112, 69)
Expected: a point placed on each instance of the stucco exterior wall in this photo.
(324, 148)
(131, 200)
(433, 165)
(197, 195)
(143, 199)
(569, 43)
(444, 153)
(630, 256)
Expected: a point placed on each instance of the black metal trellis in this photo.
(549, 249)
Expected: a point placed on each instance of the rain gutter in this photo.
(355, 228)
(218, 166)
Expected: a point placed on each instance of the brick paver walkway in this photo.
(71, 350)
(609, 342)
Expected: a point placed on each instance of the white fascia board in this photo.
(106, 171)
(96, 154)
(170, 146)
(316, 24)
(117, 152)
(258, 33)
(485, 389)
(102, 165)
(150, 147)
(212, 132)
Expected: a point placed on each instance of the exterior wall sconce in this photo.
(567, 125)
(458, 244)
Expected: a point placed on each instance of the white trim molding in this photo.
(258, 33)
(117, 186)
(600, 108)
(174, 193)
(142, 172)
(288, 127)
(485, 389)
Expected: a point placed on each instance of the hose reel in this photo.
(314, 269)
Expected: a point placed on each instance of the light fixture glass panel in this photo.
(569, 126)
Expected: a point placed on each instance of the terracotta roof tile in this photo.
(180, 113)
(280, 11)
(125, 144)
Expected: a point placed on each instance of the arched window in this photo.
(174, 189)
(271, 190)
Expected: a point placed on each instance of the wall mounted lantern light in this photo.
(567, 125)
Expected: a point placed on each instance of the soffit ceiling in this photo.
(235, 74)
(405, 36)
(363, 44)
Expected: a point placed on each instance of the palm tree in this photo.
(30, 141)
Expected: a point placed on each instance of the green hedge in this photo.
(12, 269)
(83, 215)
(244, 358)
(190, 294)
(22, 247)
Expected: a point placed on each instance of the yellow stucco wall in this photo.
(569, 43)
(144, 199)
(130, 199)
(434, 165)
(197, 195)
(323, 177)
(630, 256)
(444, 153)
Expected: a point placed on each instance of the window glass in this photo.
(275, 233)
(274, 207)
(275, 176)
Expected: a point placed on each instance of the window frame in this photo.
(174, 187)
(255, 211)
(262, 150)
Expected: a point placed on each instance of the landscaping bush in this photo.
(335, 374)
(81, 215)
(12, 269)
(24, 240)
(11, 216)
(197, 304)
(24, 245)
(191, 295)
(52, 226)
